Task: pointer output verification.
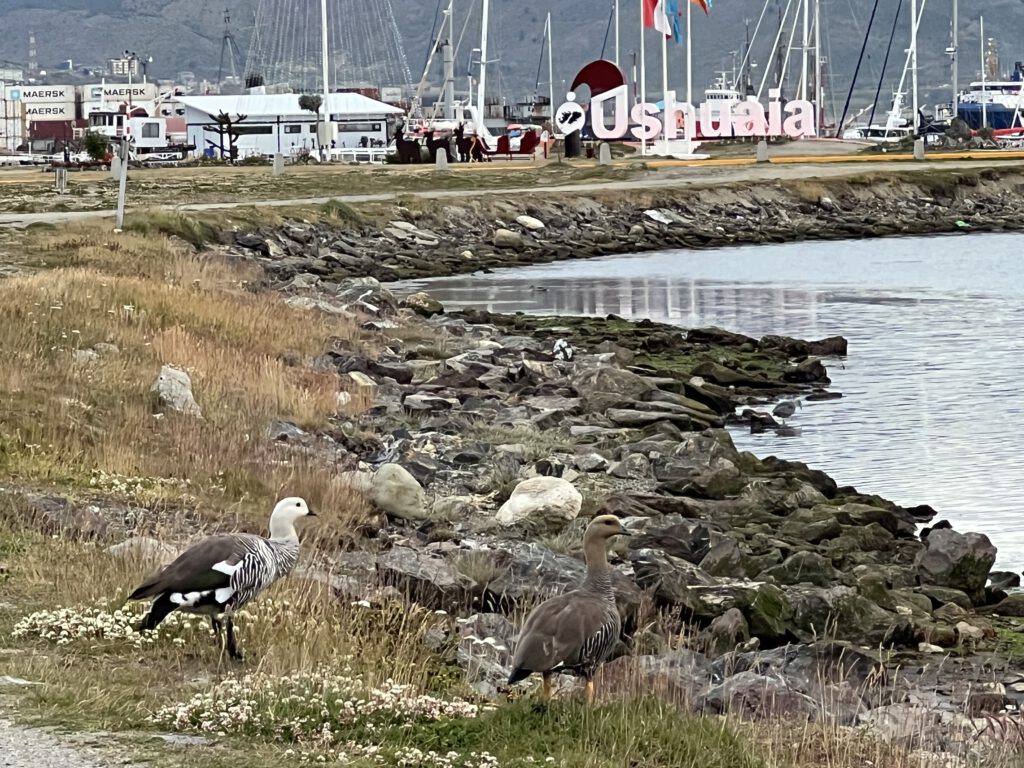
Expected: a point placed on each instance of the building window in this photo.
(151, 130)
(293, 129)
(359, 127)
(312, 129)
(251, 130)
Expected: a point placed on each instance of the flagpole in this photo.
(643, 79)
(689, 74)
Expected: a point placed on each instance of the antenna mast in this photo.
(229, 47)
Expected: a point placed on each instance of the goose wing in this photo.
(205, 566)
(566, 629)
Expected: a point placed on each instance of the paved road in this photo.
(677, 177)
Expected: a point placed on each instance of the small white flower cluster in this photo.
(400, 757)
(138, 487)
(64, 626)
(317, 709)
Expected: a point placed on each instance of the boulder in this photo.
(143, 549)
(396, 492)
(423, 304)
(424, 577)
(506, 238)
(725, 633)
(676, 675)
(173, 391)
(592, 382)
(724, 559)
(529, 222)
(542, 504)
(755, 696)
(956, 560)
(803, 568)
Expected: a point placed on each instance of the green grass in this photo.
(629, 732)
(192, 230)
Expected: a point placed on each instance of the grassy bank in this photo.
(365, 683)
(32, 191)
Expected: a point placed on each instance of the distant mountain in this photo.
(186, 35)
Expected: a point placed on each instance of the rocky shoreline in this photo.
(417, 238)
(753, 585)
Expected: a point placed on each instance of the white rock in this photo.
(969, 631)
(144, 549)
(543, 502)
(398, 493)
(929, 648)
(529, 222)
(85, 356)
(173, 389)
(362, 380)
(506, 238)
(467, 255)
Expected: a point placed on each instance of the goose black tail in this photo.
(519, 673)
(161, 607)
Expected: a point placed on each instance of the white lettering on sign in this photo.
(51, 93)
(140, 91)
(722, 119)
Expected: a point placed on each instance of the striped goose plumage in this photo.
(220, 574)
(577, 630)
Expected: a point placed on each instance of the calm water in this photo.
(931, 411)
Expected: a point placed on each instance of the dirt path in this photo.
(675, 177)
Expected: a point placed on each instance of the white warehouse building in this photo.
(275, 123)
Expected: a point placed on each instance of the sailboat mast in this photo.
(913, 60)
(481, 85)
(806, 43)
(616, 32)
(954, 54)
(551, 71)
(819, 88)
(984, 106)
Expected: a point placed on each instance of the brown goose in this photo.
(577, 630)
(221, 574)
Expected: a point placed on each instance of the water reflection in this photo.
(936, 331)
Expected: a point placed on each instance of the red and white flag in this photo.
(656, 16)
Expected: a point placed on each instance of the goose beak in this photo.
(624, 532)
(311, 513)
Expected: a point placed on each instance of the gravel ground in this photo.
(30, 748)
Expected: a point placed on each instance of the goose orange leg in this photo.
(547, 687)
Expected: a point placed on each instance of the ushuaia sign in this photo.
(611, 114)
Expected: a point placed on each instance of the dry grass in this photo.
(246, 352)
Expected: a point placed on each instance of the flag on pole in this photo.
(704, 4)
(672, 10)
(656, 16)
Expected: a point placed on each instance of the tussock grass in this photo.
(194, 231)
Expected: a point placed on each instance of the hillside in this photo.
(183, 35)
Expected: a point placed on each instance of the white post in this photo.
(616, 32)
(122, 186)
(984, 106)
(913, 60)
(326, 139)
(643, 76)
(806, 38)
(689, 129)
(483, 61)
(551, 74)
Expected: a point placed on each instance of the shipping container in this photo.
(40, 93)
(118, 92)
(42, 112)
